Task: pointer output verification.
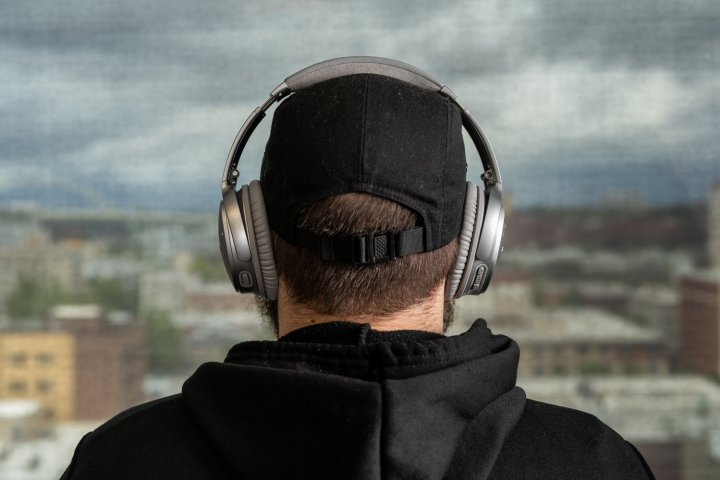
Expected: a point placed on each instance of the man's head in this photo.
(360, 154)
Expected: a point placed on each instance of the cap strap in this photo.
(363, 248)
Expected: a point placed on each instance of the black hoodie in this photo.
(342, 401)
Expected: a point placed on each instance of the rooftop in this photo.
(709, 275)
(79, 312)
(18, 409)
(641, 408)
(569, 325)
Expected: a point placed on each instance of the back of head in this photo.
(359, 154)
(344, 290)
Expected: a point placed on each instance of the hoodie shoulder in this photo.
(551, 441)
(158, 439)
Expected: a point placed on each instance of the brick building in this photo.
(713, 244)
(82, 365)
(569, 341)
(699, 322)
(216, 297)
(674, 421)
(110, 356)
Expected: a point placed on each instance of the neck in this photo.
(426, 315)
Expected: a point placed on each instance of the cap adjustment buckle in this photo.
(373, 247)
(363, 248)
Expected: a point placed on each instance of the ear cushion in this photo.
(263, 239)
(465, 239)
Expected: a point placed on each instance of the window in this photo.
(17, 387)
(45, 386)
(18, 359)
(44, 358)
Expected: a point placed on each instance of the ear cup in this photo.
(487, 249)
(234, 245)
(465, 238)
(263, 240)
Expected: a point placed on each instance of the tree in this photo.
(209, 269)
(164, 342)
(114, 294)
(32, 298)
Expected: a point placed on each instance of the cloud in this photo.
(666, 34)
(181, 148)
(106, 90)
(554, 104)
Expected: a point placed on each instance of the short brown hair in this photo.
(344, 289)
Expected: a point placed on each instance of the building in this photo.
(216, 297)
(35, 256)
(214, 318)
(40, 366)
(20, 421)
(654, 306)
(177, 291)
(713, 244)
(569, 341)
(82, 364)
(674, 421)
(510, 296)
(699, 322)
(110, 357)
(163, 290)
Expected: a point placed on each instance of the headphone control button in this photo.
(246, 280)
(479, 277)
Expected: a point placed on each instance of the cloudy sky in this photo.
(135, 104)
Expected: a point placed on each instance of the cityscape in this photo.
(616, 310)
(116, 117)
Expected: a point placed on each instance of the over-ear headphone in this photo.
(245, 237)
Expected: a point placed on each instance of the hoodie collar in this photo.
(386, 355)
(422, 408)
(352, 333)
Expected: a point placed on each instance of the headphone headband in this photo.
(340, 67)
(244, 230)
(343, 66)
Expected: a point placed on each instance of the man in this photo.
(362, 383)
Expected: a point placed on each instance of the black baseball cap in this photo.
(367, 133)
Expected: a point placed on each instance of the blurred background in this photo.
(116, 119)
